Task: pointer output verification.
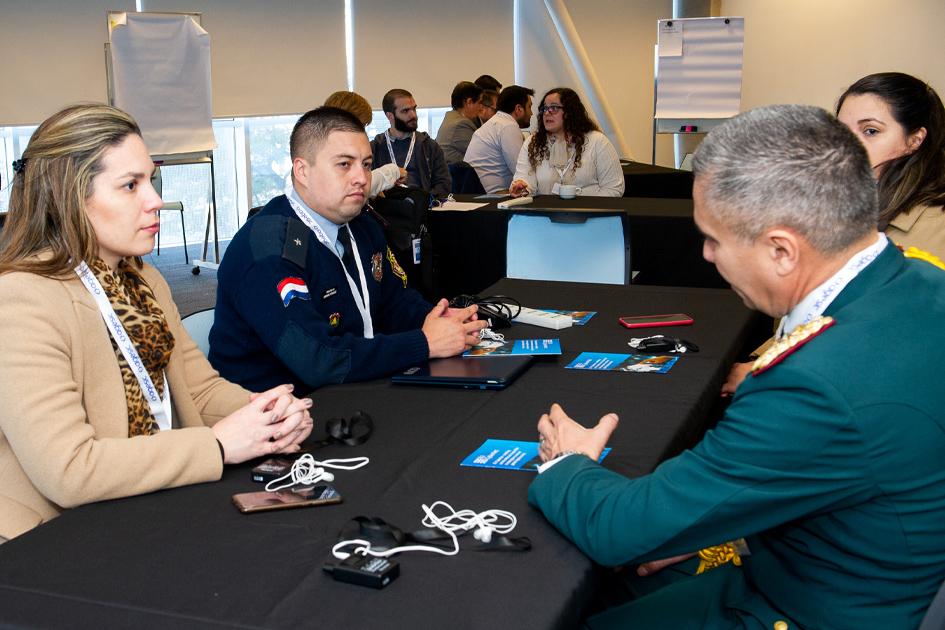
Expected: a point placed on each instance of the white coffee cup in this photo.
(568, 191)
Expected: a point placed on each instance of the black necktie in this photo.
(347, 258)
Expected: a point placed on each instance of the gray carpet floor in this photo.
(191, 293)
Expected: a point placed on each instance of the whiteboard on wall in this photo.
(159, 72)
(698, 71)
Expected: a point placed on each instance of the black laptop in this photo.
(470, 372)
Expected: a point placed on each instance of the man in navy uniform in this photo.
(308, 291)
(828, 462)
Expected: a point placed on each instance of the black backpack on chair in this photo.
(402, 212)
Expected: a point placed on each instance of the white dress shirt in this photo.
(493, 151)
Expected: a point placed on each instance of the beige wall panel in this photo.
(52, 54)
(273, 57)
(809, 51)
(427, 46)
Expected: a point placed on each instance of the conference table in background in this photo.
(469, 247)
(648, 180)
(186, 558)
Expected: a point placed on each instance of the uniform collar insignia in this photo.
(783, 347)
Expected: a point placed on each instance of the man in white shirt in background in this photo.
(494, 148)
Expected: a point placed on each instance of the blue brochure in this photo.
(605, 361)
(490, 348)
(578, 318)
(508, 455)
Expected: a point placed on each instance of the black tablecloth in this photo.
(187, 558)
(665, 245)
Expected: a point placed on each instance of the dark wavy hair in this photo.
(577, 124)
(919, 177)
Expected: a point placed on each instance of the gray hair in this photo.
(792, 166)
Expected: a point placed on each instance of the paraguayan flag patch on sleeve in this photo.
(291, 288)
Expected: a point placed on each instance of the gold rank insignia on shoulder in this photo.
(396, 268)
(921, 254)
(716, 556)
(784, 347)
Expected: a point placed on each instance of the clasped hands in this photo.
(450, 331)
(273, 422)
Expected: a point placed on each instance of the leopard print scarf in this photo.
(143, 319)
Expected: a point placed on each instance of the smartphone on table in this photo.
(299, 496)
(652, 321)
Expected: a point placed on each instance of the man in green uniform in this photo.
(829, 459)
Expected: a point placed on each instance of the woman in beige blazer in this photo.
(102, 392)
(901, 122)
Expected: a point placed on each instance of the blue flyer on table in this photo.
(578, 318)
(491, 348)
(605, 361)
(508, 455)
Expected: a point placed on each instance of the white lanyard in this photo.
(817, 301)
(390, 149)
(362, 300)
(160, 407)
(562, 171)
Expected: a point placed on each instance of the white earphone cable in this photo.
(307, 470)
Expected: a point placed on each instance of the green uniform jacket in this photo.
(831, 463)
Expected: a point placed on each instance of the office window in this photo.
(190, 184)
(251, 162)
(268, 144)
(13, 141)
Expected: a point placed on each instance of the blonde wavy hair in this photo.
(352, 102)
(47, 211)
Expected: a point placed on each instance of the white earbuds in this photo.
(482, 524)
(307, 470)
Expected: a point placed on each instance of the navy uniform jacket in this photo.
(830, 462)
(259, 341)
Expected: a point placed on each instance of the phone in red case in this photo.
(652, 321)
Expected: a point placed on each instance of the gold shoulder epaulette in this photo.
(921, 254)
(783, 347)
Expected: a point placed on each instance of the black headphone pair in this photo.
(498, 310)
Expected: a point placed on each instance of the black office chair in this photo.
(465, 180)
(252, 211)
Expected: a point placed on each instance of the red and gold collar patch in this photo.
(334, 319)
(787, 345)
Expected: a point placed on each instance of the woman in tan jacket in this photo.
(901, 122)
(102, 392)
